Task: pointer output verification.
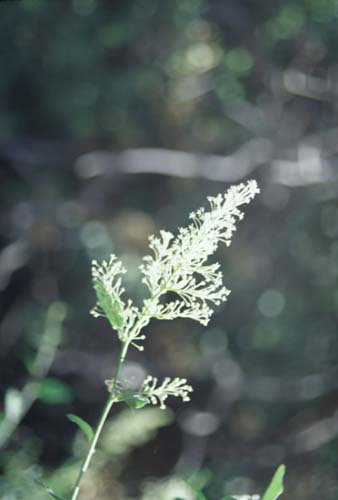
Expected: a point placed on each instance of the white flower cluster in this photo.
(178, 265)
(109, 304)
(170, 387)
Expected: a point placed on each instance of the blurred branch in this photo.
(19, 402)
(310, 162)
(305, 162)
(314, 435)
(308, 388)
(178, 163)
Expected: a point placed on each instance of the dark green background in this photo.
(118, 118)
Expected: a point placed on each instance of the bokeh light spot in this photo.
(271, 303)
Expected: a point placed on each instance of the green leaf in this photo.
(227, 498)
(84, 426)
(276, 487)
(200, 496)
(110, 306)
(48, 490)
(52, 494)
(54, 391)
(133, 398)
(198, 480)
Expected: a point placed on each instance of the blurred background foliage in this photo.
(117, 119)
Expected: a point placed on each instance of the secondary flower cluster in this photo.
(170, 387)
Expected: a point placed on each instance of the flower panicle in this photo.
(178, 265)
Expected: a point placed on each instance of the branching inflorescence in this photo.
(177, 268)
(178, 265)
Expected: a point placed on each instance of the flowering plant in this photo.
(178, 264)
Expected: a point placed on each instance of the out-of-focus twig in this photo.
(18, 402)
(227, 168)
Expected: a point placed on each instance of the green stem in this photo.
(105, 412)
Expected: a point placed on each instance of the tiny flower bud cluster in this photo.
(170, 387)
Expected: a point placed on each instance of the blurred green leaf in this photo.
(84, 426)
(239, 60)
(196, 488)
(276, 487)
(52, 494)
(199, 494)
(53, 391)
(49, 491)
(199, 479)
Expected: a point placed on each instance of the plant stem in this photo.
(105, 412)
